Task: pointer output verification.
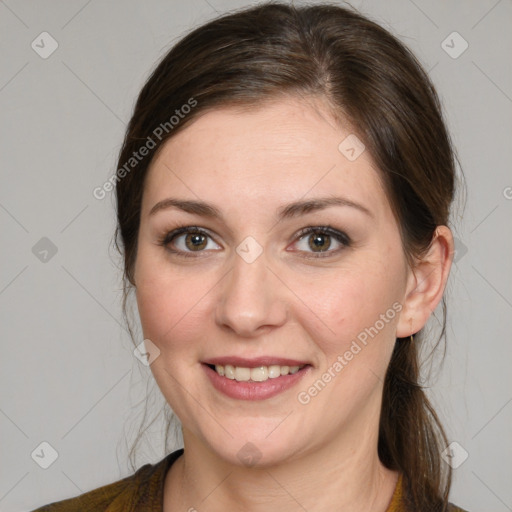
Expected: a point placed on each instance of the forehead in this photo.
(277, 153)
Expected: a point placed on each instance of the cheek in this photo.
(160, 297)
(170, 314)
(172, 304)
(166, 308)
(359, 309)
(350, 304)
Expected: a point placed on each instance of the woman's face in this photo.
(254, 295)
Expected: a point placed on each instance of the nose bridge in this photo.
(250, 297)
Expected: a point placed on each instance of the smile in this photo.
(258, 374)
(254, 382)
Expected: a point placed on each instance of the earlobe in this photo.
(426, 283)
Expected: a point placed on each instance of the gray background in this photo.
(68, 374)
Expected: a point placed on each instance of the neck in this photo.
(342, 474)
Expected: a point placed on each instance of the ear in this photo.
(426, 283)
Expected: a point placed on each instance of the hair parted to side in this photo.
(372, 82)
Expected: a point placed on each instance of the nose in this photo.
(252, 299)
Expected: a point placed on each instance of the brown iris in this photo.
(320, 241)
(195, 241)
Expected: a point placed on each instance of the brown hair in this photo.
(375, 83)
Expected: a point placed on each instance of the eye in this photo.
(315, 240)
(186, 240)
(319, 239)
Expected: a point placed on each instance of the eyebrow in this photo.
(289, 211)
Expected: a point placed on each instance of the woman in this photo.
(283, 197)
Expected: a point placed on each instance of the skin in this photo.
(317, 456)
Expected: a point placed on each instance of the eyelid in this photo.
(180, 230)
(327, 229)
(340, 236)
(170, 236)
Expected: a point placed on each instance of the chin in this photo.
(254, 444)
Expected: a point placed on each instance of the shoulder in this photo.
(142, 489)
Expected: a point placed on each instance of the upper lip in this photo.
(254, 362)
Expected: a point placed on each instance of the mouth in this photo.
(255, 374)
(259, 379)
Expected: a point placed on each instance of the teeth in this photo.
(274, 371)
(258, 374)
(242, 374)
(229, 371)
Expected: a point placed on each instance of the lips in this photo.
(254, 379)
(254, 362)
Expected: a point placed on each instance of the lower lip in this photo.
(250, 390)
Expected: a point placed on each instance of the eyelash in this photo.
(339, 236)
